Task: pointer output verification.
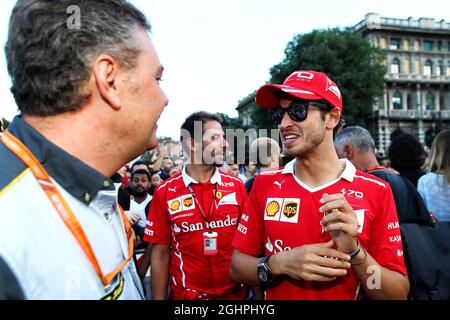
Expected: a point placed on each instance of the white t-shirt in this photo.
(139, 208)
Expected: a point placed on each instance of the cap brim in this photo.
(267, 95)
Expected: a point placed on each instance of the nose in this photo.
(286, 121)
(225, 143)
(165, 98)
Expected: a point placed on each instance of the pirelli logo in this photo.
(282, 209)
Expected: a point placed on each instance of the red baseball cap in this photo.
(307, 85)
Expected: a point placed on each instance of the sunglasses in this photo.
(297, 110)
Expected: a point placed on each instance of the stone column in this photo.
(380, 137)
(387, 134)
(404, 100)
(418, 98)
(423, 101)
(420, 108)
(437, 101)
(421, 131)
(385, 100)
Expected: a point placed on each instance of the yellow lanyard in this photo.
(63, 209)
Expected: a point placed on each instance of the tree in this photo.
(261, 118)
(231, 123)
(347, 58)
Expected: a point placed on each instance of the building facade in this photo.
(244, 109)
(416, 95)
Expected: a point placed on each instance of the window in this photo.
(440, 69)
(448, 69)
(439, 45)
(430, 101)
(427, 68)
(409, 103)
(406, 66)
(406, 44)
(416, 45)
(395, 66)
(395, 44)
(397, 100)
(427, 45)
(441, 102)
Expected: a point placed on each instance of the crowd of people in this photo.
(332, 223)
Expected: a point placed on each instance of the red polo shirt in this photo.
(175, 219)
(283, 213)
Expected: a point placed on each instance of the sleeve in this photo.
(157, 230)
(243, 196)
(9, 288)
(385, 244)
(249, 237)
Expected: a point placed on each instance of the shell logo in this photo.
(272, 208)
(174, 206)
(188, 202)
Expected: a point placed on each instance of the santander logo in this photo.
(190, 227)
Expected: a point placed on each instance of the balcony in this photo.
(416, 77)
(415, 114)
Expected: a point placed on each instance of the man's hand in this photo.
(133, 217)
(341, 221)
(313, 262)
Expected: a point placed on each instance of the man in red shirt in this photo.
(324, 229)
(193, 218)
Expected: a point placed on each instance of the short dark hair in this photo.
(49, 62)
(137, 163)
(188, 125)
(140, 171)
(406, 153)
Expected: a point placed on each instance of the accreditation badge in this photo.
(210, 243)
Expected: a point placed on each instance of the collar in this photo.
(215, 178)
(374, 168)
(348, 173)
(76, 177)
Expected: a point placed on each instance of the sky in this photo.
(216, 52)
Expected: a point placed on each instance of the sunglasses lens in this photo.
(298, 111)
(277, 115)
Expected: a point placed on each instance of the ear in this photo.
(349, 151)
(190, 144)
(106, 72)
(334, 117)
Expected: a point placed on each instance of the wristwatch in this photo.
(264, 272)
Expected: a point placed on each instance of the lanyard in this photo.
(200, 207)
(63, 209)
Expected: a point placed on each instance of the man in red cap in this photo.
(318, 228)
